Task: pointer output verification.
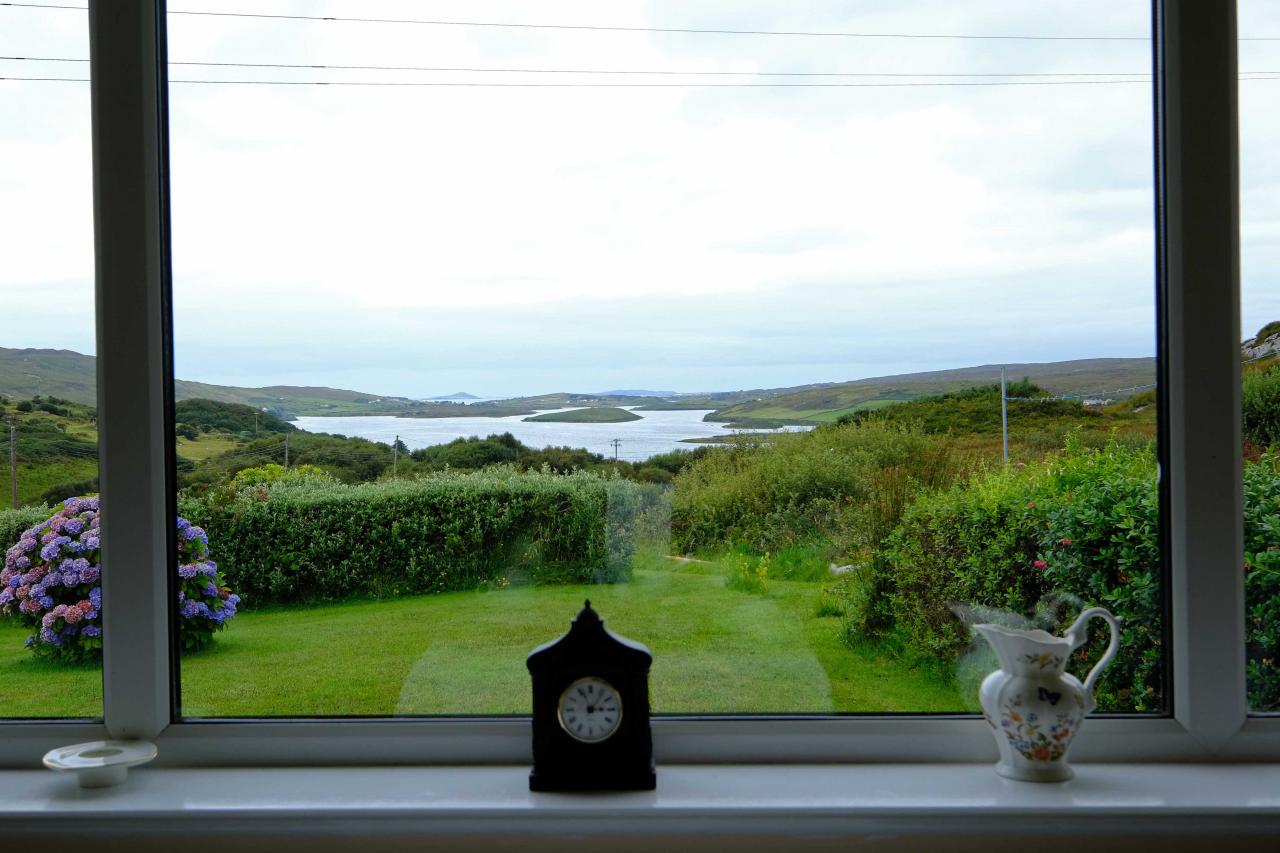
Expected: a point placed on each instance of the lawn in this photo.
(208, 445)
(716, 650)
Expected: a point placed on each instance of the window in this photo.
(612, 250)
(1198, 327)
(50, 593)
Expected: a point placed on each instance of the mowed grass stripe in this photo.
(716, 650)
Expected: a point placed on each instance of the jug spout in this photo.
(1034, 653)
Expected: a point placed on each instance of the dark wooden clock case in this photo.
(624, 762)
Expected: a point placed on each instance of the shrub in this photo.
(316, 540)
(14, 521)
(847, 482)
(975, 543)
(57, 494)
(1262, 580)
(1101, 545)
(272, 473)
(1082, 525)
(51, 578)
(1260, 405)
(748, 574)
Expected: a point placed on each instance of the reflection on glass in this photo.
(1260, 380)
(50, 599)
(706, 327)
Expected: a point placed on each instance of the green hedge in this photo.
(1077, 530)
(313, 540)
(14, 521)
(1262, 580)
(1080, 529)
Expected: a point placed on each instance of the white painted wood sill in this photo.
(764, 807)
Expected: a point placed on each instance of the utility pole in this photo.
(286, 451)
(615, 443)
(255, 424)
(395, 456)
(13, 466)
(1004, 416)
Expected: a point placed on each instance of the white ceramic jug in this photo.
(1034, 706)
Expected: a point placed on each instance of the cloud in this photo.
(404, 240)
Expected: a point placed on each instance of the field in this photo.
(206, 446)
(716, 649)
(596, 415)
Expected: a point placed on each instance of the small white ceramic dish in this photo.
(100, 763)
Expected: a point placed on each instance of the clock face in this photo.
(590, 710)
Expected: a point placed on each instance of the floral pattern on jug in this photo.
(1039, 706)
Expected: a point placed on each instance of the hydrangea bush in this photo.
(52, 582)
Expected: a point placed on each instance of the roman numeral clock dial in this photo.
(590, 710)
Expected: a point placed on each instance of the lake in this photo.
(654, 433)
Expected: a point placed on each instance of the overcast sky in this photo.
(505, 240)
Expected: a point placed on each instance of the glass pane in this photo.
(1260, 318)
(476, 322)
(50, 627)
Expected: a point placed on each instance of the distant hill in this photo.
(815, 404)
(457, 395)
(24, 373)
(633, 392)
(73, 376)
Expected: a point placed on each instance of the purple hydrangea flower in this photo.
(46, 601)
(92, 631)
(95, 597)
(89, 574)
(187, 571)
(50, 552)
(211, 588)
(73, 526)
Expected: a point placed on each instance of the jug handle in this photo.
(1078, 633)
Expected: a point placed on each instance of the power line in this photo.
(665, 72)
(509, 85)
(628, 29)
(662, 72)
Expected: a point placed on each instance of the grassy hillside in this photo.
(596, 415)
(1035, 426)
(209, 415)
(827, 403)
(56, 443)
(25, 373)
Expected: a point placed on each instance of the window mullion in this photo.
(130, 213)
(1198, 185)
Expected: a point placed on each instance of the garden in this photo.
(838, 570)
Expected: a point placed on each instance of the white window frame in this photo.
(1198, 261)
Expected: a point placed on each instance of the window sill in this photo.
(765, 806)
